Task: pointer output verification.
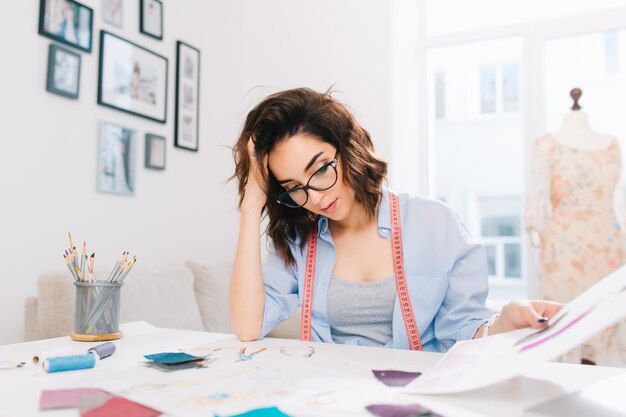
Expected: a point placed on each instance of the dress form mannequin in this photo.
(574, 203)
(575, 130)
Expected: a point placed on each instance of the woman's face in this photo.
(293, 162)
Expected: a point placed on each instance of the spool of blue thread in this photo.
(104, 350)
(70, 363)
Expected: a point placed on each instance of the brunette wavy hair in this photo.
(285, 114)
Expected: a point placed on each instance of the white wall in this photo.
(48, 145)
(320, 43)
(48, 155)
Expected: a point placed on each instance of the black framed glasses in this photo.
(321, 180)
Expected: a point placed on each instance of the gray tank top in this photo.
(361, 312)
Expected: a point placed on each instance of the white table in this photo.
(331, 366)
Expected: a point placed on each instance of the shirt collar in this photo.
(322, 226)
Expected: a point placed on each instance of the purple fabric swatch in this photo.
(401, 410)
(393, 378)
(65, 398)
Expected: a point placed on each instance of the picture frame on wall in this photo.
(151, 18)
(187, 109)
(68, 22)
(155, 152)
(116, 159)
(132, 78)
(113, 12)
(63, 72)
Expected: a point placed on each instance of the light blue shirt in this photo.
(446, 275)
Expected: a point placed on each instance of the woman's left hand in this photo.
(520, 314)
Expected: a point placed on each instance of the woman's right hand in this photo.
(247, 293)
(255, 195)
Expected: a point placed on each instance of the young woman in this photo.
(367, 266)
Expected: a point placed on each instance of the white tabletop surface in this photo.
(333, 366)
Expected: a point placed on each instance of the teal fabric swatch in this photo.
(261, 412)
(172, 357)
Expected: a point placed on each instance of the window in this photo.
(440, 95)
(477, 128)
(453, 16)
(488, 89)
(499, 88)
(510, 87)
(469, 148)
(611, 52)
(592, 63)
(501, 233)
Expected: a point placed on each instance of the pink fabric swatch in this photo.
(118, 406)
(65, 398)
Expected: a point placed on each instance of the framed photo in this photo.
(155, 152)
(151, 18)
(116, 159)
(66, 21)
(131, 78)
(113, 12)
(63, 71)
(186, 123)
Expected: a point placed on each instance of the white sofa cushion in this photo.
(211, 288)
(163, 296)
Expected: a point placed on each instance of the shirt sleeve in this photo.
(538, 206)
(281, 291)
(463, 309)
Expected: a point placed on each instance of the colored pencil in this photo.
(67, 262)
(92, 260)
(83, 255)
(117, 266)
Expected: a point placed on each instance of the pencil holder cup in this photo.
(97, 312)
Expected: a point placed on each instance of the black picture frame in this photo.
(187, 105)
(131, 78)
(151, 18)
(53, 23)
(63, 72)
(155, 152)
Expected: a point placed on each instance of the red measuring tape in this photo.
(398, 266)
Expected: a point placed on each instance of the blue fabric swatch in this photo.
(262, 412)
(171, 357)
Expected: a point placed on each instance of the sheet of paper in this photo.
(473, 364)
(288, 377)
(604, 398)
(138, 328)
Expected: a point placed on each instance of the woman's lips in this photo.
(330, 207)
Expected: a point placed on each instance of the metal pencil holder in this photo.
(97, 313)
